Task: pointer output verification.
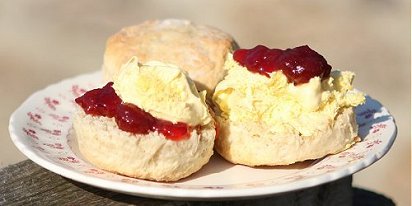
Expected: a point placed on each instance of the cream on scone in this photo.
(151, 123)
(278, 107)
(198, 49)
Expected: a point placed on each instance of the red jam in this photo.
(299, 64)
(130, 118)
(172, 131)
(100, 102)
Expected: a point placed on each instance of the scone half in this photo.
(150, 156)
(278, 107)
(254, 144)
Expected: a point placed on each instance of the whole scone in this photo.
(278, 107)
(198, 49)
(150, 123)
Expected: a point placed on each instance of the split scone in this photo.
(278, 107)
(198, 49)
(151, 123)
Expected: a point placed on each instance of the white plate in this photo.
(41, 129)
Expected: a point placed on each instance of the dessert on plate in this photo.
(150, 123)
(198, 49)
(278, 107)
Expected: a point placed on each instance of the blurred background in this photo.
(45, 41)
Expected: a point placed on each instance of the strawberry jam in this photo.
(129, 117)
(100, 102)
(299, 64)
(172, 131)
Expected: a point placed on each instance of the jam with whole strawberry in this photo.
(299, 64)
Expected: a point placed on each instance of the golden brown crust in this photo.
(200, 50)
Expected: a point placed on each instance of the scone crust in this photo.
(198, 49)
(150, 156)
(254, 144)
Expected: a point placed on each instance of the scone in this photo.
(151, 123)
(198, 49)
(278, 107)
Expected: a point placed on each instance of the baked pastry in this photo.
(151, 123)
(278, 107)
(198, 49)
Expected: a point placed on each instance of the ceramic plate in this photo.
(41, 129)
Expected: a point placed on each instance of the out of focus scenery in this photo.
(45, 41)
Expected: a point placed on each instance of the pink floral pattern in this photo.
(36, 118)
(69, 159)
(43, 123)
(54, 146)
(77, 91)
(377, 127)
(60, 118)
(94, 171)
(31, 133)
(51, 103)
